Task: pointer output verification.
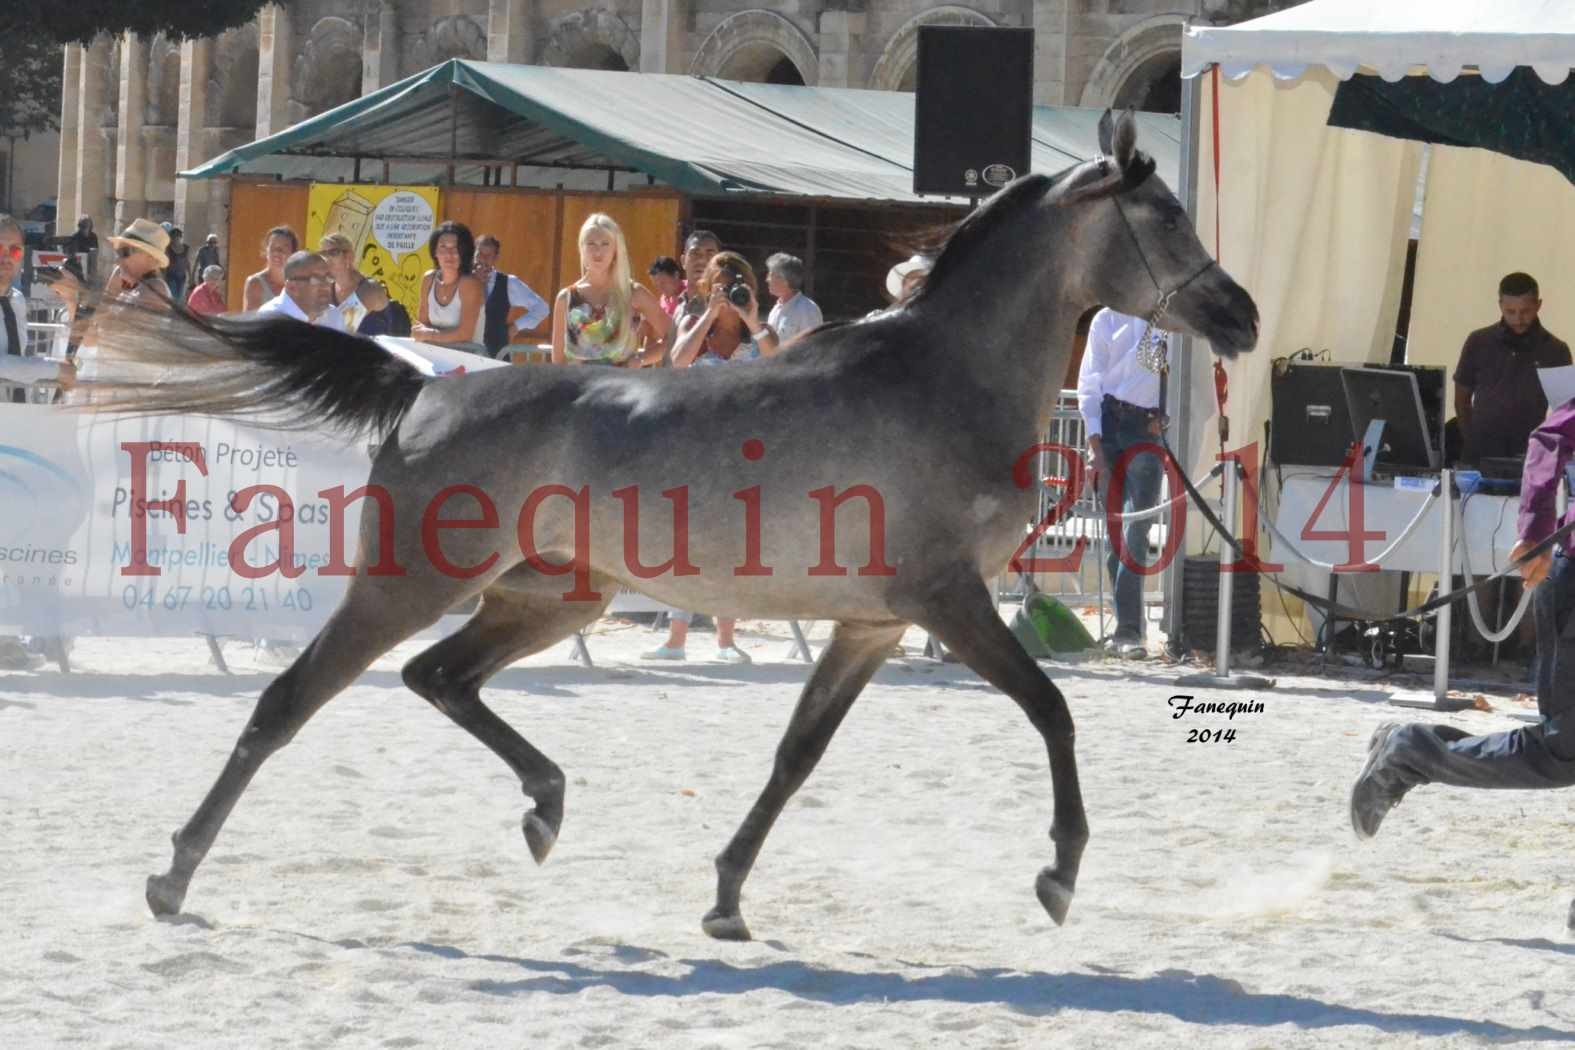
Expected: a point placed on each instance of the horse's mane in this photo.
(1005, 207)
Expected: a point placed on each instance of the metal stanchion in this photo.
(1222, 678)
(1446, 572)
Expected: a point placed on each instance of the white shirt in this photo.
(22, 369)
(283, 304)
(520, 295)
(1110, 366)
(790, 317)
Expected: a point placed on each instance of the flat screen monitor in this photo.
(1394, 397)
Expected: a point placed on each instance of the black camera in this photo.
(737, 291)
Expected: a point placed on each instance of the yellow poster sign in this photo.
(389, 227)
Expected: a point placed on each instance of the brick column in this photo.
(131, 174)
(70, 89)
(841, 35)
(661, 36)
(380, 47)
(275, 56)
(191, 137)
(509, 37)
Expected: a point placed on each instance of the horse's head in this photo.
(1149, 262)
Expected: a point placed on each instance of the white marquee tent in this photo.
(1315, 220)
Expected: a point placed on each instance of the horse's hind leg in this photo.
(511, 624)
(366, 625)
(856, 652)
(957, 608)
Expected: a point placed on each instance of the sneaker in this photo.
(1128, 646)
(1371, 801)
(15, 657)
(663, 652)
(732, 654)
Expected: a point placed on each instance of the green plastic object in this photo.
(1055, 626)
(1032, 644)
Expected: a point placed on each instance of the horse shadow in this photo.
(1180, 994)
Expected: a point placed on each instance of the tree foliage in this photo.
(30, 86)
(79, 21)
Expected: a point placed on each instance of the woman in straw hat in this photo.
(140, 253)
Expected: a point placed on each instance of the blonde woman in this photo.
(278, 245)
(597, 319)
(355, 295)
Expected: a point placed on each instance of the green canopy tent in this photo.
(699, 135)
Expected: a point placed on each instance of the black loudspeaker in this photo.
(973, 117)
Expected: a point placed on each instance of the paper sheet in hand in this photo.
(1558, 383)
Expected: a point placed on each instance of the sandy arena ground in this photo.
(373, 890)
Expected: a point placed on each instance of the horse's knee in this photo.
(429, 680)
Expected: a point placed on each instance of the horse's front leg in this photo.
(957, 609)
(856, 652)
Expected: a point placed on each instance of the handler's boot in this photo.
(1377, 789)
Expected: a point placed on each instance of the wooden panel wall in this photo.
(524, 223)
(255, 208)
(539, 230)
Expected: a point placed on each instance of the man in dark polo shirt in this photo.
(1498, 399)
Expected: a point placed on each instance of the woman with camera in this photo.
(597, 320)
(730, 329)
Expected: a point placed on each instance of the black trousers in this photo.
(1537, 756)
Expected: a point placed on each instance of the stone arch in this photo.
(592, 39)
(163, 83)
(232, 90)
(751, 45)
(457, 36)
(327, 71)
(1138, 67)
(897, 69)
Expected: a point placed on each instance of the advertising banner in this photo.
(76, 489)
(388, 226)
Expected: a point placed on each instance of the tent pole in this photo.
(809, 250)
(1179, 389)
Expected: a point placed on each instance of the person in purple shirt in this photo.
(1401, 757)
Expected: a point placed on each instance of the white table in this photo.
(1486, 528)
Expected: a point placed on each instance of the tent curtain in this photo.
(1486, 215)
(1313, 221)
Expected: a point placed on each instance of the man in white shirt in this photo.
(15, 364)
(502, 292)
(794, 313)
(1118, 398)
(308, 293)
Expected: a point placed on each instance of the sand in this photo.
(373, 890)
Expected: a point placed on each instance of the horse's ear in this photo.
(1106, 135)
(1126, 140)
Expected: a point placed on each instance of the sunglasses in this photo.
(11, 251)
(315, 279)
(125, 253)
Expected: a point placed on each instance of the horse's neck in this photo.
(1014, 334)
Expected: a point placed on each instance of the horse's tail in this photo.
(275, 372)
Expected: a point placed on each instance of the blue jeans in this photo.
(1539, 756)
(1139, 491)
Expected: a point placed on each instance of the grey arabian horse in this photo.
(905, 426)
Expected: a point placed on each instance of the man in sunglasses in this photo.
(308, 293)
(15, 364)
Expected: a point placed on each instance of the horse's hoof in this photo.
(164, 896)
(724, 927)
(1055, 895)
(539, 836)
